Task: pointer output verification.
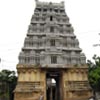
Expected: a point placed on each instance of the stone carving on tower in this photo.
(51, 62)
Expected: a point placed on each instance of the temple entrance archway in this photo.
(54, 85)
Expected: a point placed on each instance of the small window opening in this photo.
(44, 10)
(50, 9)
(53, 59)
(51, 18)
(37, 60)
(52, 42)
(51, 29)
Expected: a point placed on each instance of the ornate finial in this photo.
(50, 3)
(62, 2)
(36, 0)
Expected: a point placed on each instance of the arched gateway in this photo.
(51, 63)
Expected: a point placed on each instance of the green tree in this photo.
(94, 73)
(8, 82)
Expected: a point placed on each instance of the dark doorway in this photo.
(54, 85)
(51, 18)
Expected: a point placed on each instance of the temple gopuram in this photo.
(51, 64)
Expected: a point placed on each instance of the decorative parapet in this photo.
(38, 3)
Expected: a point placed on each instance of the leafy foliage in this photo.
(94, 73)
(8, 82)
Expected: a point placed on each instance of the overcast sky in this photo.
(15, 17)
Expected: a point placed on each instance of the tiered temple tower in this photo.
(51, 62)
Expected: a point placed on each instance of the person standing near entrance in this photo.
(41, 96)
